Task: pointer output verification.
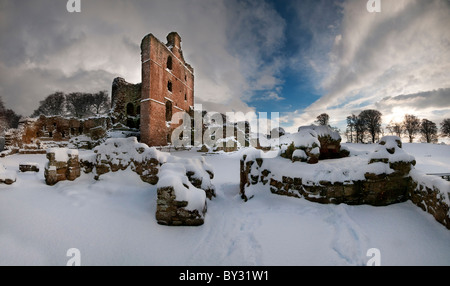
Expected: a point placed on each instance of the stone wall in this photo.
(193, 176)
(33, 134)
(431, 197)
(126, 103)
(179, 202)
(172, 212)
(376, 190)
(394, 185)
(63, 164)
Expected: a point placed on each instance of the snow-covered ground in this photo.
(112, 222)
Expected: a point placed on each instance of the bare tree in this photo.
(323, 119)
(429, 131)
(3, 122)
(351, 126)
(79, 104)
(411, 124)
(372, 121)
(2, 106)
(53, 104)
(360, 129)
(100, 102)
(445, 127)
(8, 118)
(12, 118)
(395, 128)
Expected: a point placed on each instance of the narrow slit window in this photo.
(169, 63)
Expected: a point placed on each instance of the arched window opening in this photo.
(169, 86)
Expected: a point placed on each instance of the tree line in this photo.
(8, 118)
(368, 126)
(75, 104)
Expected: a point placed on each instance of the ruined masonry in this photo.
(388, 178)
(63, 164)
(183, 185)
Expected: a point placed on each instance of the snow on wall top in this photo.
(390, 147)
(322, 131)
(62, 154)
(125, 150)
(341, 170)
(173, 175)
(304, 138)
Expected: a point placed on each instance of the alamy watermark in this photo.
(235, 128)
(75, 257)
(375, 257)
(73, 6)
(374, 6)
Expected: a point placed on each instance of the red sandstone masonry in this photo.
(155, 94)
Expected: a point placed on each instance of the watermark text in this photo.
(73, 6)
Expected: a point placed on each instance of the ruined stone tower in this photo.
(167, 87)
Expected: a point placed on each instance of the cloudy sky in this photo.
(297, 57)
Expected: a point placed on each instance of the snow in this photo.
(173, 175)
(6, 174)
(125, 150)
(111, 221)
(299, 154)
(61, 154)
(304, 138)
(399, 154)
(322, 131)
(433, 182)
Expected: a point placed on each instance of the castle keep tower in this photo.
(167, 88)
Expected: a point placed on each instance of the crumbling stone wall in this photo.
(63, 164)
(194, 174)
(381, 190)
(126, 103)
(431, 199)
(173, 212)
(33, 133)
(395, 185)
(330, 142)
(179, 202)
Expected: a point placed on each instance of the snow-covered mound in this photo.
(6, 176)
(172, 175)
(390, 149)
(322, 131)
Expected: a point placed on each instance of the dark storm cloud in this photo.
(436, 99)
(44, 48)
